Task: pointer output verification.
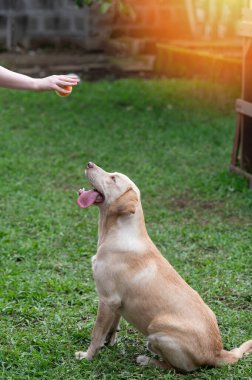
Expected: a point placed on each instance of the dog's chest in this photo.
(107, 266)
(93, 261)
(112, 271)
(106, 272)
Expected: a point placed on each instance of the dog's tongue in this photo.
(87, 198)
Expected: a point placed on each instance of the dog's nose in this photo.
(90, 165)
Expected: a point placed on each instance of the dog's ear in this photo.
(126, 204)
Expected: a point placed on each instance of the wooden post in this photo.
(241, 160)
(246, 121)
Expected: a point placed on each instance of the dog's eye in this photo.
(113, 178)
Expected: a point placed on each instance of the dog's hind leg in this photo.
(173, 352)
(146, 360)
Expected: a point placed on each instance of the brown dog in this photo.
(135, 281)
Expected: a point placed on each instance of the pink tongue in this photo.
(87, 198)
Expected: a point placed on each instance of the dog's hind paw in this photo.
(143, 360)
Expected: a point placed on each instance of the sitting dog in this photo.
(136, 282)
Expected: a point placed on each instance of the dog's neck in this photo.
(111, 223)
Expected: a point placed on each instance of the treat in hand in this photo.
(67, 88)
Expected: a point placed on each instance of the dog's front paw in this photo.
(79, 355)
(143, 360)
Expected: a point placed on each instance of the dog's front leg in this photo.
(114, 329)
(107, 314)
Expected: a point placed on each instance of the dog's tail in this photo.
(230, 357)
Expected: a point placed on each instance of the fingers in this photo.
(66, 83)
(58, 82)
(71, 80)
(61, 89)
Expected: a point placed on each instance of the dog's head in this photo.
(113, 191)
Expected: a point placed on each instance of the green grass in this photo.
(174, 139)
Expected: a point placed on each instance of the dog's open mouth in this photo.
(89, 198)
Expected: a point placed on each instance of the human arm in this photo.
(11, 79)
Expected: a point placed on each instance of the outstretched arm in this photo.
(11, 79)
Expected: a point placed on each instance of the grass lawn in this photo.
(174, 139)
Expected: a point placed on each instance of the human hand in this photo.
(56, 83)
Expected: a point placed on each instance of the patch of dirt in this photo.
(203, 207)
(183, 203)
(236, 301)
